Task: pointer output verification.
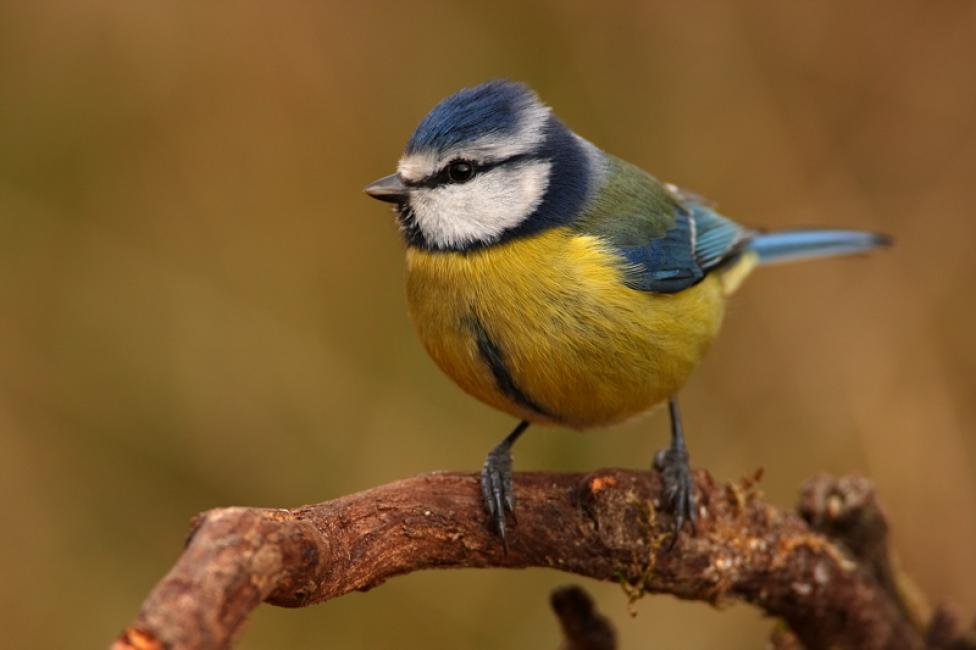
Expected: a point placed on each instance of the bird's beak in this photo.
(389, 188)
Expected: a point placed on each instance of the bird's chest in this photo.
(544, 328)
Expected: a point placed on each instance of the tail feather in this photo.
(807, 243)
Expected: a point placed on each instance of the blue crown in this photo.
(492, 107)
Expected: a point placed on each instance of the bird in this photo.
(563, 285)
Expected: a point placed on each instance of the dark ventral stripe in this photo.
(493, 356)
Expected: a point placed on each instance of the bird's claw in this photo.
(679, 492)
(496, 488)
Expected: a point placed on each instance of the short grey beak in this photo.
(389, 188)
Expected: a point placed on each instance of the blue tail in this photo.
(808, 243)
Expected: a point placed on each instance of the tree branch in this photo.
(605, 525)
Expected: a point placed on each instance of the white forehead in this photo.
(527, 137)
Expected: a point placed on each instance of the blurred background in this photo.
(199, 307)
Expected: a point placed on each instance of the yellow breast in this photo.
(545, 329)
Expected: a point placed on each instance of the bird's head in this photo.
(487, 164)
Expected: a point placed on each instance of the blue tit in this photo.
(560, 284)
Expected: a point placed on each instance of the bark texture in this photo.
(824, 571)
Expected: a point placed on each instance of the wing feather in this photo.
(670, 238)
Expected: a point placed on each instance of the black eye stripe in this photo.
(440, 177)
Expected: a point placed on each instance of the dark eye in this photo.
(460, 171)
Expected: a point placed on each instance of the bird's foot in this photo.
(679, 490)
(496, 487)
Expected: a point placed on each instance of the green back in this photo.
(671, 238)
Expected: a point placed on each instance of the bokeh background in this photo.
(198, 306)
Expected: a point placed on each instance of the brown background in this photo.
(198, 307)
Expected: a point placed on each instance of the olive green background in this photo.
(198, 306)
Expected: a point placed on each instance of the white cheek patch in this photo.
(479, 211)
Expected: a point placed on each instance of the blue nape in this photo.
(491, 108)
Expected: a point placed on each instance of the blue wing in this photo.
(666, 264)
(670, 237)
(699, 240)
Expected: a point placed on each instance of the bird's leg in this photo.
(496, 481)
(672, 462)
